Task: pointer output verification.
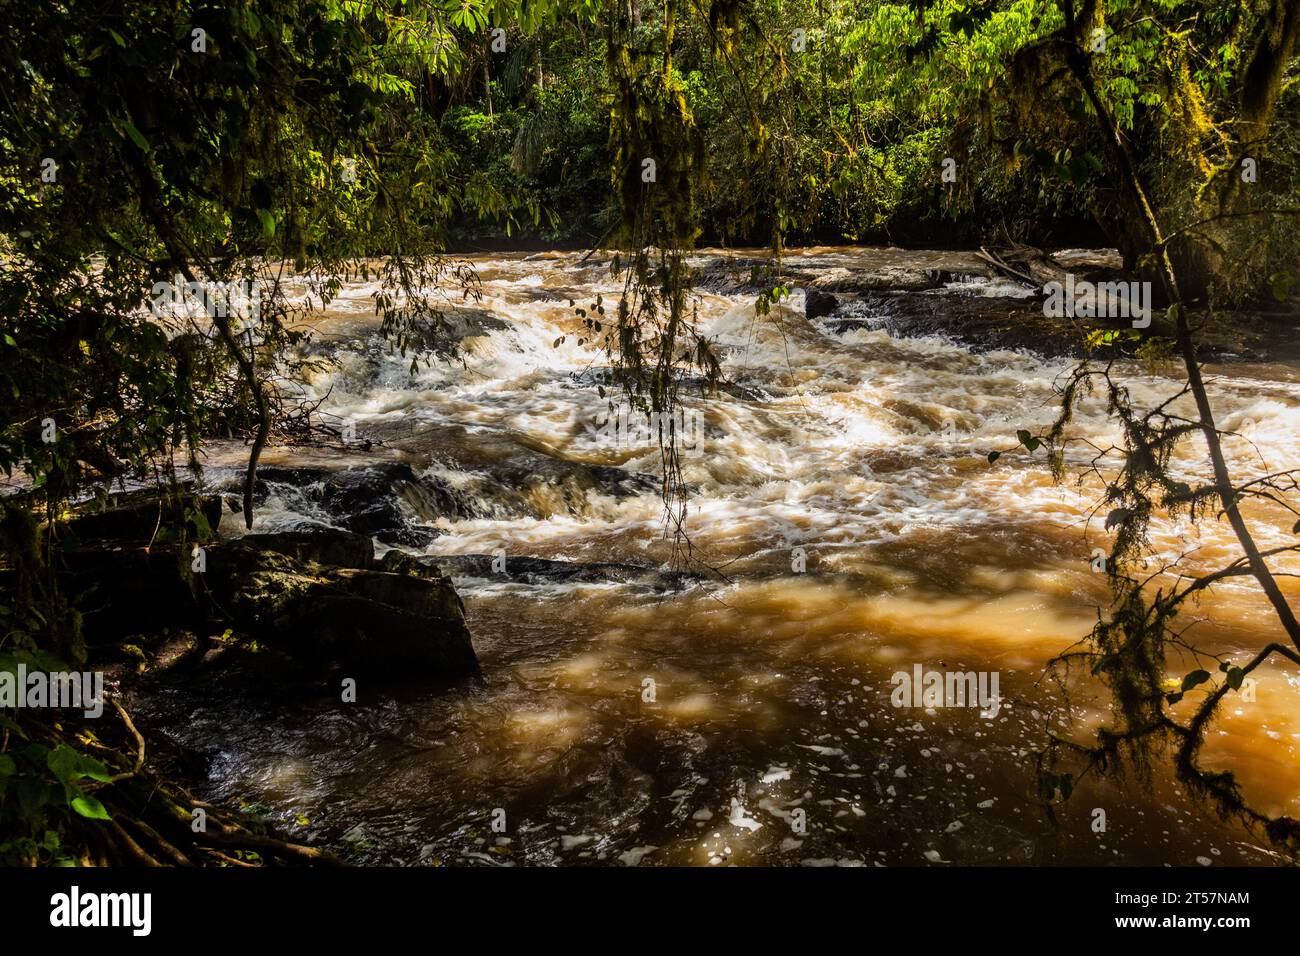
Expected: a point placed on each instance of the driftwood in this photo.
(1082, 294)
(1025, 264)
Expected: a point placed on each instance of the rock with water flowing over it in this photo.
(386, 499)
(817, 303)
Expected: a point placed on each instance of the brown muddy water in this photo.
(748, 719)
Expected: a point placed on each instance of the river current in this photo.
(845, 525)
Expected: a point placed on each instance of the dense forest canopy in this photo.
(835, 119)
(190, 143)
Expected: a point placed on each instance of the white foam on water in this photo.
(793, 462)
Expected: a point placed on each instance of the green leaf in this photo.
(69, 765)
(1194, 678)
(268, 222)
(994, 456)
(136, 136)
(89, 807)
(1028, 440)
(1235, 676)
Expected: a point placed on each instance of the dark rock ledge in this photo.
(306, 604)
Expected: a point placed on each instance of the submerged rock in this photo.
(505, 474)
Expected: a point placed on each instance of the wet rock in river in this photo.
(464, 473)
(126, 588)
(732, 275)
(385, 499)
(817, 303)
(983, 322)
(317, 600)
(341, 617)
(687, 384)
(119, 560)
(371, 500)
(504, 474)
(445, 334)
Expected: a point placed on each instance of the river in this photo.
(845, 525)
